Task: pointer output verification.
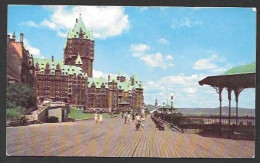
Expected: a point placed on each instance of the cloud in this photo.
(189, 94)
(31, 23)
(182, 87)
(163, 41)
(151, 59)
(139, 48)
(169, 57)
(104, 21)
(98, 74)
(210, 64)
(32, 50)
(204, 64)
(185, 22)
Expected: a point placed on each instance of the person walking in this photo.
(125, 117)
(142, 120)
(128, 117)
(96, 117)
(137, 121)
(100, 118)
(133, 117)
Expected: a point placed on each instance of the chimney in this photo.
(8, 38)
(13, 37)
(52, 58)
(21, 37)
(132, 80)
(108, 77)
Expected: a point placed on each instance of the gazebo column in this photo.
(229, 106)
(219, 91)
(237, 91)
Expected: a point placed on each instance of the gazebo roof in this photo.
(237, 77)
(231, 81)
(243, 69)
(167, 106)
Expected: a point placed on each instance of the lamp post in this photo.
(171, 107)
(172, 102)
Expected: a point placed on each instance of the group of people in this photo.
(138, 118)
(98, 117)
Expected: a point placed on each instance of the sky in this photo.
(170, 49)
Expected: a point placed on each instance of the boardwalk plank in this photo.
(115, 139)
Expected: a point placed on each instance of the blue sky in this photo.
(169, 48)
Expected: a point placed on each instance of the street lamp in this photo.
(172, 102)
(171, 107)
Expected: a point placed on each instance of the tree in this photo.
(20, 95)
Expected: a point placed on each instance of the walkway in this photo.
(111, 139)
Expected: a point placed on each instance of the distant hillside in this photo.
(212, 111)
(150, 107)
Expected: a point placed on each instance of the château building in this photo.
(72, 80)
(115, 92)
(80, 43)
(60, 82)
(20, 63)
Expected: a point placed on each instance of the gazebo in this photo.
(236, 79)
(166, 107)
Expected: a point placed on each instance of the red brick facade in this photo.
(20, 63)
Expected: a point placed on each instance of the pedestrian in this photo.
(96, 117)
(100, 118)
(125, 117)
(133, 117)
(142, 119)
(137, 121)
(128, 117)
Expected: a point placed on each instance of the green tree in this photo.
(19, 97)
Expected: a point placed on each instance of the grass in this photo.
(77, 114)
(14, 113)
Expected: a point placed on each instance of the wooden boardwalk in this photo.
(113, 138)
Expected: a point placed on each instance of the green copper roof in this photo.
(121, 73)
(74, 33)
(165, 106)
(78, 61)
(112, 77)
(98, 82)
(125, 86)
(249, 68)
(65, 69)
